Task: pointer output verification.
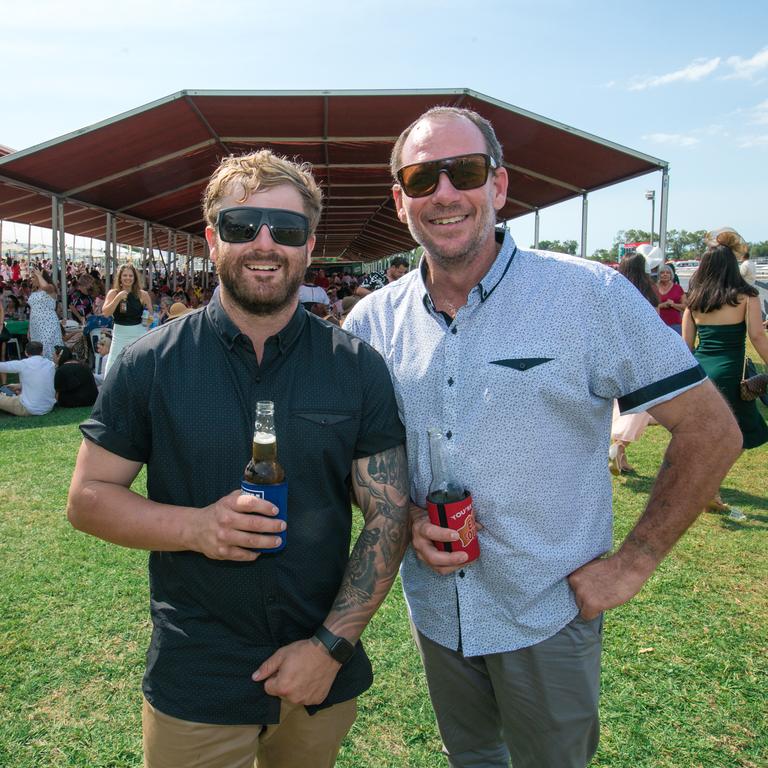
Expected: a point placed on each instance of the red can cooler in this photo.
(459, 516)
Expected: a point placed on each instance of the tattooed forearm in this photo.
(360, 578)
(381, 487)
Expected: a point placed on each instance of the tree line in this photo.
(681, 244)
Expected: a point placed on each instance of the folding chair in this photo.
(13, 340)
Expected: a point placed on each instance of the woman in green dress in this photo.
(722, 309)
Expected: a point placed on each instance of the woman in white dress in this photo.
(125, 302)
(44, 323)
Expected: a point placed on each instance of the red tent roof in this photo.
(152, 163)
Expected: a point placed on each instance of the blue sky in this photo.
(683, 81)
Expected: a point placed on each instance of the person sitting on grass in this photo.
(74, 383)
(34, 395)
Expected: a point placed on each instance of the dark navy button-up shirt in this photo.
(182, 400)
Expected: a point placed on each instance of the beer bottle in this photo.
(449, 504)
(264, 476)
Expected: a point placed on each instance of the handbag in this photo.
(753, 384)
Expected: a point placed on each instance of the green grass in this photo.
(684, 665)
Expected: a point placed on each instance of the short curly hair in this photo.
(257, 171)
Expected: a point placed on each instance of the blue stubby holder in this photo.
(275, 494)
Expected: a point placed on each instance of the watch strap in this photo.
(339, 648)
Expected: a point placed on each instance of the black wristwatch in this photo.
(340, 649)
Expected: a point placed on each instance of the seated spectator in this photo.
(34, 395)
(310, 294)
(102, 350)
(73, 382)
(165, 307)
(177, 310)
(372, 282)
(346, 306)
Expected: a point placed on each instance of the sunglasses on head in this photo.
(464, 171)
(242, 224)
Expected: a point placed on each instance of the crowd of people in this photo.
(256, 649)
(105, 320)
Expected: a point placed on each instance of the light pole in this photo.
(651, 195)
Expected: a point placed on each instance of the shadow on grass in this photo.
(57, 417)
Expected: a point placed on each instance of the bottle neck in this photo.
(442, 479)
(438, 459)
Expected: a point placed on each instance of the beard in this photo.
(267, 299)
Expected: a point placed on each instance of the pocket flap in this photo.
(324, 419)
(522, 363)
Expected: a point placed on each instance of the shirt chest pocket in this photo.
(330, 433)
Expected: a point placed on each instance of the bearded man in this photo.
(254, 656)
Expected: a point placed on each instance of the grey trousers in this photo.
(537, 705)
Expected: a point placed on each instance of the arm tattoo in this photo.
(381, 487)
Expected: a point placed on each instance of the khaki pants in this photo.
(12, 405)
(297, 741)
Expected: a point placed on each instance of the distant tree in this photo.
(759, 250)
(682, 244)
(567, 246)
(603, 255)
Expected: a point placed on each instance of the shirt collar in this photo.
(490, 280)
(229, 332)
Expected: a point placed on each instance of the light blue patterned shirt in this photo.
(522, 382)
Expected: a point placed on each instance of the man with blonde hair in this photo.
(254, 654)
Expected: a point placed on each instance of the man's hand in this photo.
(605, 583)
(301, 672)
(424, 534)
(229, 528)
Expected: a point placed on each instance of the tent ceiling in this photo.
(152, 163)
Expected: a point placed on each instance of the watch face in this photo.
(341, 650)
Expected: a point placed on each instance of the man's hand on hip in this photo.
(301, 672)
(604, 583)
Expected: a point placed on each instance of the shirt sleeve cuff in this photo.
(660, 391)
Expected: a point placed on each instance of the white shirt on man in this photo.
(526, 371)
(36, 374)
(314, 294)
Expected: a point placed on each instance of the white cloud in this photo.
(759, 115)
(671, 139)
(696, 70)
(750, 142)
(746, 69)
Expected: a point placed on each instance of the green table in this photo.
(17, 327)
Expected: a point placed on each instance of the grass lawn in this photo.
(684, 665)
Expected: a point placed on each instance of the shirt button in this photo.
(450, 382)
(258, 379)
(449, 434)
(271, 599)
(461, 574)
(454, 330)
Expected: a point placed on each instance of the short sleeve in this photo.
(380, 426)
(120, 421)
(635, 357)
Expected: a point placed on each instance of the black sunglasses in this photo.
(464, 171)
(242, 224)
